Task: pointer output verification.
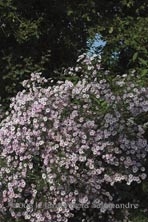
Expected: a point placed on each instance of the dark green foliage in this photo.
(125, 30)
(40, 35)
(46, 35)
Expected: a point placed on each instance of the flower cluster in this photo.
(63, 146)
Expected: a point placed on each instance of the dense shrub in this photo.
(64, 147)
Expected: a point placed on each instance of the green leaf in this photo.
(111, 30)
(144, 62)
(135, 56)
(144, 72)
(69, 12)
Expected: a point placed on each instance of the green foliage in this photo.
(47, 35)
(125, 30)
(140, 218)
(40, 36)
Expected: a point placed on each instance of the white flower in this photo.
(44, 176)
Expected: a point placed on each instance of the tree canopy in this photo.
(39, 36)
(48, 35)
(125, 31)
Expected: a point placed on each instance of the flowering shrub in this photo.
(65, 146)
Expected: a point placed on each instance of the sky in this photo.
(96, 43)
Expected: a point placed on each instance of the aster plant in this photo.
(64, 147)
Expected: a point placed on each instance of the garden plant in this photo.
(65, 147)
